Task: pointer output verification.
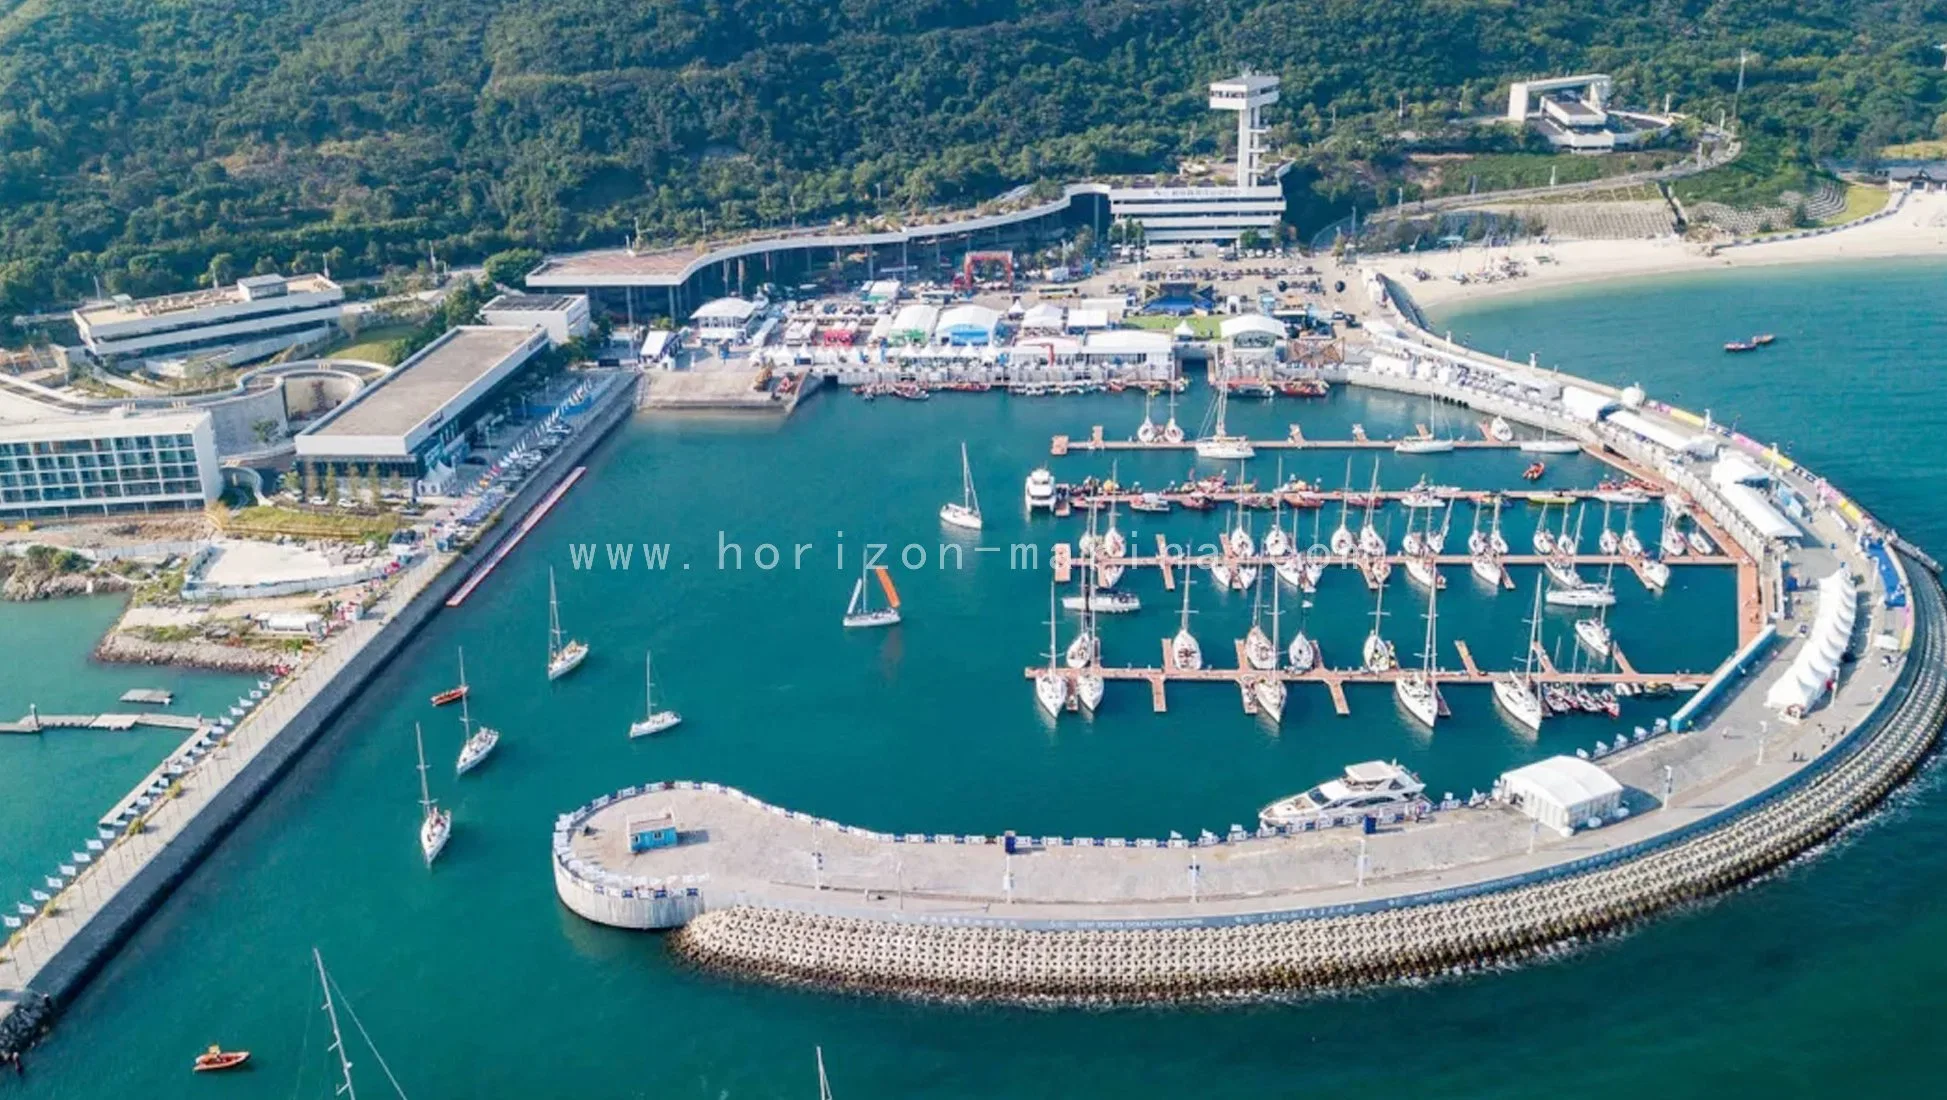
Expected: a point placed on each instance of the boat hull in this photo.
(655, 723)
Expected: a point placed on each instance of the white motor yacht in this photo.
(1373, 785)
(1041, 488)
(1100, 602)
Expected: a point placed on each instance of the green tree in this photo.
(510, 267)
(310, 481)
(223, 269)
(264, 430)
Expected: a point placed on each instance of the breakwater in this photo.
(1414, 936)
(68, 943)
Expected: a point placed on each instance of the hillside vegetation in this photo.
(155, 143)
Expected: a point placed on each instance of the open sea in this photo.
(472, 981)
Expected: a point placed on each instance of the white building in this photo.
(1253, 200)
(724, 320)
(120, 462)
(1564, 793)
(1573, 113)
(258, 316)
(414, 421)
(563, 317)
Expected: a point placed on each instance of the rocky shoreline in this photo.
(121, 648)
(23, 585)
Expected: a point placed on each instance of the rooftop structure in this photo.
(416, 417)
(1573, 113)
(563, 316)
(1247, 94)
(119, 462)
(263, 313)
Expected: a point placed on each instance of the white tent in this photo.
(1758, 511)
(1044, 317)
(1734, 469)
(1251, 324)
(1804, 682)
(1563, 792)
(1081, 319)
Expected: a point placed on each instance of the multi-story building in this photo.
(563, 316)
(259, 316)
(120, 462)
(1253, 200)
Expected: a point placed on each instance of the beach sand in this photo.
(1918, 229)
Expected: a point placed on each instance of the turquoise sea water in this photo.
(474, 982)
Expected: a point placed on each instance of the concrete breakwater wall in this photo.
(92, 944)
(1407, 940)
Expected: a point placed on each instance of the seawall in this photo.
(1420, 936)
(61, 977)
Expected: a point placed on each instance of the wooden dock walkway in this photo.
(35, 723)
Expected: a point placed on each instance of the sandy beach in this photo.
(1918, 229)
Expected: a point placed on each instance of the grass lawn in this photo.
(268, 521)
(1518, 171)
(1757, 177)
(1861, 200)
(373, 345)
(1206, 328)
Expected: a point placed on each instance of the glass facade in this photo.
(107, 470)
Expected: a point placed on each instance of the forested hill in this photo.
(140, 138)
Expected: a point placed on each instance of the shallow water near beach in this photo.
(473, 981)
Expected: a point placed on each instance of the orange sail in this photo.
(885, 583)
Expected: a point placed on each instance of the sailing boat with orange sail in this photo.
(860, 611)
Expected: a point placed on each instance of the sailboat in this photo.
(1343, 541)
(1088, 678)
(653, 720)
(1086, 648)
(1436, 541)
(1260, 652)
(1566, 544)
(965, 514)
(1609, 542)
(1517, 692)
(1220, 444)
(1112, 546)
(1270, 691)
(1477, 539)
(1594, 633)
(564, 656)
(1303, 654)
(1500, 431)
(1378, 653)
(1370, 542)
(1277, 544)
(1185, 654)
(860, 612)
(1544, 538)
(1654, 573)
(1147, 431)
(1424, 444)
(480, 743)
(1172, 431)
(1495, 539)
(1630, 545)
(337, 1048)
(435, 824)
(824, 1086)
(1417, 691)
(1050, 686)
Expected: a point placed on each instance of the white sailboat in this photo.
(1500, 431)
(1270, 690)
(1594, 633)
(1654, 573)
(1700, 543)
(1260, 652)
(1516, 692)
(1436, 538)
(1147, 431)
(479, 742)
(1495, 539)
(1343, 541)
(1220, 444)
(1277, 544)
(1172, 431)
(1477, 539)
(1112, 547)
(1302, 656)
(1185, 654)
(1051, 686)
(1370, 541)
(1378, 653)
(966, 513)
(564, 654)
(1425, 444)
(1589, 595)
(1562, 572)
(1544, 538)
(653, 721)
(1630, 545)
(860, 612)
(1085, 649)
(435, 824)
(1567, 544)
(1417, 691)
(1608, 542)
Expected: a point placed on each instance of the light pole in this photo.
(1196, 873)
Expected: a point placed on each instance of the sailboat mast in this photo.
(648, 685)
(1432, 616)
(425, 793)
(824, 1086)
(1186, 596)
(466, 715)
(1051, 626)
(1534, 633)
(337, 1037)
(554, 618)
